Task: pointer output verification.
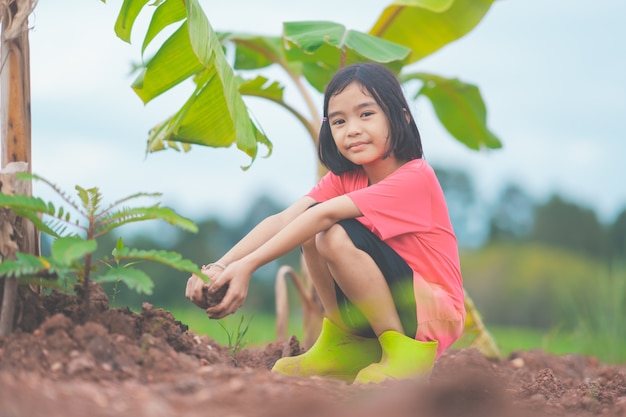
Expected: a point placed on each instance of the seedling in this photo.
(75, 226)
(235, 337)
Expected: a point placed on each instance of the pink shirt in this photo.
(408, 211)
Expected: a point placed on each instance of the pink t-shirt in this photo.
(408, 211)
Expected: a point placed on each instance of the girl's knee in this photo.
(333, 242)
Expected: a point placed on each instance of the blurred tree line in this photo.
(522, 260)
(541, 264)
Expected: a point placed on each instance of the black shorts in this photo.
(397, 273)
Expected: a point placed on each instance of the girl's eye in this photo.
(367, 113)
(337, 122)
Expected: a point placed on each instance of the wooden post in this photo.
(10, 239)
(15, 83)
(15, 118)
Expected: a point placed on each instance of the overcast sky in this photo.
(551, 73)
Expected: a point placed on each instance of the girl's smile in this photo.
(360, 130)
(357, 146)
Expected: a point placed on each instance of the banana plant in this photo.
(309, 53)
(215, 114)
(75, 226)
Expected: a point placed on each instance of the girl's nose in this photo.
(354, 128)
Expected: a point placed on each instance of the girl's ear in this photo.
(407, 116)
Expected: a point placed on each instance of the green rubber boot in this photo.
(403, 357)
(335, 354)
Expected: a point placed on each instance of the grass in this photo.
(262, 331)
(601, 318)
(510, 339)
(237, 336)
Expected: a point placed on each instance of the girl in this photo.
(376, 238)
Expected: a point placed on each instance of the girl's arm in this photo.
(301, 228)
(255, 238)
(267, 228)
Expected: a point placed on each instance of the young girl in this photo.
(376, 238)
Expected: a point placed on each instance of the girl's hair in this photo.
(382, 84)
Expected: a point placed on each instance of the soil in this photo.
(123, 363)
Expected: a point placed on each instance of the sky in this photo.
(551, 73)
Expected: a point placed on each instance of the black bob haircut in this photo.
(382, 84)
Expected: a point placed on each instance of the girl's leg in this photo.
(366, 287)
(355, 259)
(322, 280)
(337, 352)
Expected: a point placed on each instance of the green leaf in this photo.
(171, 259)
(24, 202)
(137, 214)
(24, 265)
(262, 87)
(208, 48)
(37, 222)
(203, 119)
(30, 208)
(82, 194)
(67, 250)
(134, 279)
(303, 39)
(167, 13)
(324, 47)
(215, 114)
(254, 51)
(126, 18)
(427, 26)
(118, 247)
(173, 63)
(432, 5)
(460, 108)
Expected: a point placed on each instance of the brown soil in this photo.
(121, 363)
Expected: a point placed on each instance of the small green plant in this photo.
(115, 291)
(236, 340)
(75, 227)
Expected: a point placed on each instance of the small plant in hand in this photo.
(75, 227)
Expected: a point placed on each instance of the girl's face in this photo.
(359, 127)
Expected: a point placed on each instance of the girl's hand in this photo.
(196, 286)
(237, 275)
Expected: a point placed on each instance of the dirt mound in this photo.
(122, 363)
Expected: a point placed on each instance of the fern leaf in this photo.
(172, 259)
(36, 220)
(67, 250)
(95, 200)
(134, 279)
(134, 196)
(25, 265)
(138, 214)
(24, 202)
(59, 192)
(39, 270)
(82, 194)
(126, 199)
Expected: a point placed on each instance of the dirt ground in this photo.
(121, 363)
